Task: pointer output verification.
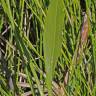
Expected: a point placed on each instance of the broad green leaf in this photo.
(53, 39)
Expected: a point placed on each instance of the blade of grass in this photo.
(25, 52)
(7, 9)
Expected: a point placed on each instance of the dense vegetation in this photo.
(41, 48)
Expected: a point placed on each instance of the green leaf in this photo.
(7, 10)
(53, 39)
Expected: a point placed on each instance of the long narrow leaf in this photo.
(53, 39)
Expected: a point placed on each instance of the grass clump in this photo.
(41, 48)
